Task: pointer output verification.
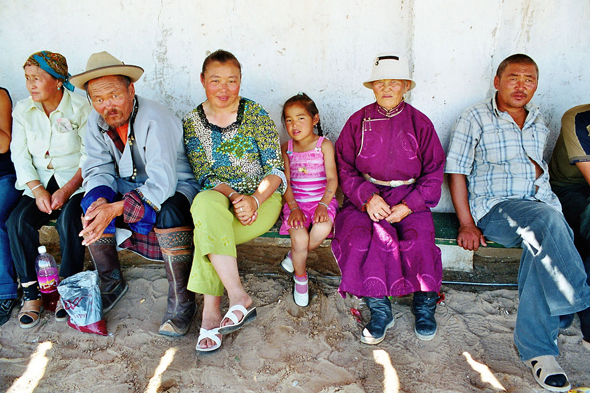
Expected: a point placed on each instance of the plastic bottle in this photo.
(48, 277)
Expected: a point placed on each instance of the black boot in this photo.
(423, 308)
(177, 249)
(103, 253)
(585, 327)
(381, 320)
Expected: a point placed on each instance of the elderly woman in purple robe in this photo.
(390, 164)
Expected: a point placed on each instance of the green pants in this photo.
(218, 231)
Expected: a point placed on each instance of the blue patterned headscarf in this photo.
(52, 63)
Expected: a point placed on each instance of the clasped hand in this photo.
(98, 216)
(245, 208)
(378, 210)
(47, 202)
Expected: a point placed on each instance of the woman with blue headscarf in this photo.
(47, 150)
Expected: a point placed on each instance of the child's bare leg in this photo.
(318, 234)
(299, 244)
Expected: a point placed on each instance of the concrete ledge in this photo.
(268, 251)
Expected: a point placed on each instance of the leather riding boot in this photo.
(103, 253)
(381, 320)
(423, 308)
(177, 249)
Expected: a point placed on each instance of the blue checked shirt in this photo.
(493, 152)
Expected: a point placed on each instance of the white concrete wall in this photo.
(324, 48)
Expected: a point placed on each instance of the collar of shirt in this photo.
(64, 106)
(532, 112)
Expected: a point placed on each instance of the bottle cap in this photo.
(42, 250)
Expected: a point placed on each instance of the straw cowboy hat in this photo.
(389, 66)
(104, 64)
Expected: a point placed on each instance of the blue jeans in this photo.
(551, 277)
(10, 197)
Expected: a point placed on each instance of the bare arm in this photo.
(470, 236)
(584, 167)
(5, 121)
(61, 196)
(321, 211)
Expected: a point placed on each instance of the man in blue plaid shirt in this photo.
(500, 188)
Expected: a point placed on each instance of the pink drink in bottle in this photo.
(48, 277)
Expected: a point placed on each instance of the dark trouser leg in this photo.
(175, 235)
(23, 231)
(69, 226)
(104, 256)
(423, 308)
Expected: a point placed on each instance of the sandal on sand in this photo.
(210, 334)
(287, 264)
(61, 314)
(248, 316)
(29, 315)
(548, 373)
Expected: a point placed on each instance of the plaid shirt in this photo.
(495, 155)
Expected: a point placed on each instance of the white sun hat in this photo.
(389, 66)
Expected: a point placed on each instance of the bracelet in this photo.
(364, 208)
(37, 186)
(322, 203)
(257, 203)
(231, 193)
(296, 207)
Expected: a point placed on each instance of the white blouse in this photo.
(43, 146)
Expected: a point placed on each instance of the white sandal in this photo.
(544, 367)
(300, 299)
(247, 317)
(210, 334)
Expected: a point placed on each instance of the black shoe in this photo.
(6, 306)
(423, 308)
(381, 320)
(585, 327)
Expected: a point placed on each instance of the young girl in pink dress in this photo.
(310, 168)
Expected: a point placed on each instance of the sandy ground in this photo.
(287, 348)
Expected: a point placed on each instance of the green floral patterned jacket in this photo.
(240, 155)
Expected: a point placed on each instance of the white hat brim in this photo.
(130, 71)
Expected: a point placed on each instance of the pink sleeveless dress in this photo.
(308, 182)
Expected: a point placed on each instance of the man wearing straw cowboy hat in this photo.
(137, 176)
